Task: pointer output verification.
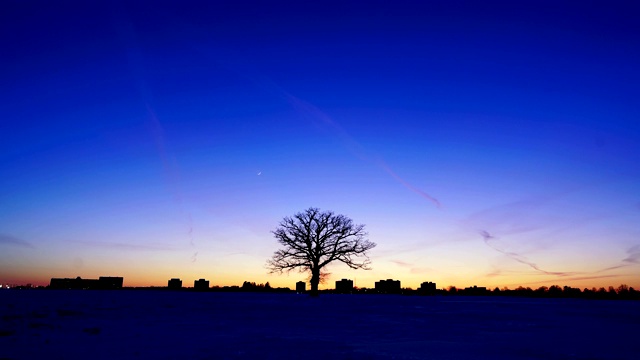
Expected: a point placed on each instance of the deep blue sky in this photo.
(495, 143)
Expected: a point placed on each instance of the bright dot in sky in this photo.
(259, 173)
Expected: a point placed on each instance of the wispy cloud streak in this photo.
(14, 241)
(351, 144)
(401, 263)
(488, 239)
(413, 269)
(633, 258)
(126, 246)
(319, 117)
(127, 32)
(407, 185)
(634, 255)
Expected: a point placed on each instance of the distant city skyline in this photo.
(492, 144)
(346, 286)
(342, 286)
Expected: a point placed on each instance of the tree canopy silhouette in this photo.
(313, 238)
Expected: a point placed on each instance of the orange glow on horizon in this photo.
(289, 281)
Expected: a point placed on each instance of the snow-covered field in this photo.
(164, 324)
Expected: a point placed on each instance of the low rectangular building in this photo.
(344, 286)
(201, 284)
(301, 287)
(427, 288)
(102, 283)
(174, 283)
(388, 286)
(110, 282)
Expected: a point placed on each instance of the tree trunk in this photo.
(315, 280)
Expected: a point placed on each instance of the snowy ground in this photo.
(163, 324)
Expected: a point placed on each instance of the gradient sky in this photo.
(486, 143)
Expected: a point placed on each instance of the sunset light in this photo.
(496, 146)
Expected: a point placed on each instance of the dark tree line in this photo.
(622, 292)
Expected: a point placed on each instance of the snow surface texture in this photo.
(170, 325)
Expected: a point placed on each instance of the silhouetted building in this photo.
(110, 282)
(388, 286)
(427, 288)
(301, 287)
(175, 284)
(103, 283)
(201, 284)
(344, 286)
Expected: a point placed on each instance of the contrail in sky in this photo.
(14, 241)
(519, 258)
(127, 33)
(170, 168)
(634, 255)
(633, 258)
(234, 63)
(412, 268)
(354, 147)
(386, 168)
(190, 232)
(128, 246)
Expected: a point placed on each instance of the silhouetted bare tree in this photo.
(313, 238)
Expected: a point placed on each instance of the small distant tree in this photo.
(542, 289)
(622, 289)
(554, 291)
(312, 239)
